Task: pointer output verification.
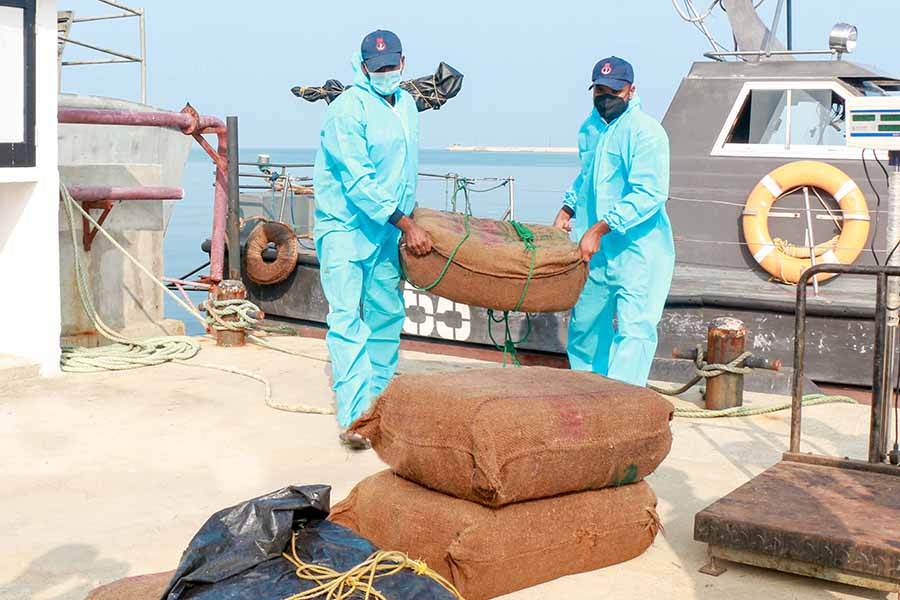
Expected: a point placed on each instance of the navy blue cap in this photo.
(613, 72)
(380, 49)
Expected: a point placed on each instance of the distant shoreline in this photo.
(537, 149)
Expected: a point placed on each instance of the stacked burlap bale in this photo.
(493, 268)
(506, 478)
(139, 587)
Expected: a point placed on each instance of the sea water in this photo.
(540, 182)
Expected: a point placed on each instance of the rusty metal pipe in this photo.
(220, 211)
(229, 290)
(180, 121)
(189, 122)
(726, 337)
(144, 192)
(194, 284)
(759, 362)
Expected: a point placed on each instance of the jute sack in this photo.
(491, 268)
(140, 587)
(487, 552)
(497, 436)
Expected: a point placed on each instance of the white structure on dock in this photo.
(29, 195)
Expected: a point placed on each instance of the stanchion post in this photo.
(725, 342)
(229, 289)
(232, 223)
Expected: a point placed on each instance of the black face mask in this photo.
(610, 106)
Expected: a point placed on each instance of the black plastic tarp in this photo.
(237, 553)
(431, 91)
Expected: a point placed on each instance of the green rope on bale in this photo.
(509, 346)
(461, 185)
(527, 236)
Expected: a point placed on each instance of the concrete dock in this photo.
(109, 475)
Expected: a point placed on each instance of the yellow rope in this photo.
(791, 249)
(332, 585)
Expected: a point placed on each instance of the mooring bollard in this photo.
(229, 289)
(724, 343)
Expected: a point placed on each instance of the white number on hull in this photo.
(451, 320)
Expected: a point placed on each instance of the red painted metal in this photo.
(189, 122)
(102, 198)
(182, 121)
(98, 193)
(191, 284)
(88, 232)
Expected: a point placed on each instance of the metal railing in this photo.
(277, 178)
(116, 57)
(722, 56)
(883, 356)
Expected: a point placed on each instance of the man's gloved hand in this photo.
(416, 239)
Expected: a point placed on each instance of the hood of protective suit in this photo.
(360, 79)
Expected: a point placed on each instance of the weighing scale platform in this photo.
(825, 520)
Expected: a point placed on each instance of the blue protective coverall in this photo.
(365, 171)
(624, 180)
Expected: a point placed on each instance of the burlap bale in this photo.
(497, 436)
(487, 552)
(140, 587)
(491, 268)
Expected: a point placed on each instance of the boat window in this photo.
(815, 118)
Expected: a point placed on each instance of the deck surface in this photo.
(110, 475)
(851, 291)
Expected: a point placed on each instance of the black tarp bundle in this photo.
(237, 553)
(431, 91)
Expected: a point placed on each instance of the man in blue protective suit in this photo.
(365, 186)
(618, 202)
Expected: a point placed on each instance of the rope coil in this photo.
(124, 353)
(360, 580)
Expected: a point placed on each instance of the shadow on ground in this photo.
(64, 573)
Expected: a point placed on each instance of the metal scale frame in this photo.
(831, 518)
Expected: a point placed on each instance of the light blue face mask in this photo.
(386, 83)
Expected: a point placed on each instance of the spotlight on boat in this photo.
(843, 38)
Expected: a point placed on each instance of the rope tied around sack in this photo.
(527, 237)
(360, 580)
(461, 186)
(509, 347)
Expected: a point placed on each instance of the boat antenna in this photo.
(749, 32)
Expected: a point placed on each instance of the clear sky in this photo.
(526, 64)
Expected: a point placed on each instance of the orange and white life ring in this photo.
(846, 247)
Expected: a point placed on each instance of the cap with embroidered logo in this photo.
(613, 72)
(381, 49)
